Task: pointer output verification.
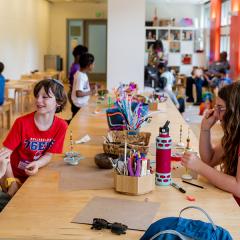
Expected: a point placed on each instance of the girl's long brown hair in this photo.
(231, 127)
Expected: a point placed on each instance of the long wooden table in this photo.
(40, 210)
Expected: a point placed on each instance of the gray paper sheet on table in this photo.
(135, 214)
(85, 178)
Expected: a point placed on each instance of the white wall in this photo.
(168, 9)
(24, 35)
(60, 12)
(126, 39)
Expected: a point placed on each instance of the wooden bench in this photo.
(6, 110)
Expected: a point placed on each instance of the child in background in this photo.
(81, 88)
(78, 51)
(166, 81)
(2, 84)
(207, 103)
(34, 137)
(223, 79)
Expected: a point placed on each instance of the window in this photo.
(225, 44)
(225, 28)
(225, 13)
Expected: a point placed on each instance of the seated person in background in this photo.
(222, 63)
(219, 80)
(33, 138)
(224, 79)
(81, 89)
(227, 153)
(2, 84)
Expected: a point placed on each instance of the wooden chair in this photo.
(6, 110)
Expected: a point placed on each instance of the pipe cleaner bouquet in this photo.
(128, 113)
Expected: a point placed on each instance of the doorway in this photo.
(92, 34)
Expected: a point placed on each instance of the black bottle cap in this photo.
(165, 128)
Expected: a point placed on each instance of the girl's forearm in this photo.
(205, 147)
(219, 179)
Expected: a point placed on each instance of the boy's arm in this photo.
(32, 168)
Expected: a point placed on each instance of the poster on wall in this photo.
(174, 47)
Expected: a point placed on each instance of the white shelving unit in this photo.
(179, 45)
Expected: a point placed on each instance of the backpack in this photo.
(176, 228)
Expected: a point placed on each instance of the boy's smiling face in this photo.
(45, 103)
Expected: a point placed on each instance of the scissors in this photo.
(134, 166)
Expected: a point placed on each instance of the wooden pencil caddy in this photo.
(134, 185)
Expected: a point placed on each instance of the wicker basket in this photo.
(110, 148)
(118, 149)
(136, 141)
(133, 137)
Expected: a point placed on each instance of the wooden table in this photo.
(20, 87)
(46, 74)
(40, 210)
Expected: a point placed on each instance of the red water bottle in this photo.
(163, 156)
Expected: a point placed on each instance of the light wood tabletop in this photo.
(40, 210)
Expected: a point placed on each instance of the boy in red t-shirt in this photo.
(34, 137)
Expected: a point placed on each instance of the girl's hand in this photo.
(32, 168)
(191, 160)
(209, 120)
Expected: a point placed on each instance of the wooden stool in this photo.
(6, 109)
